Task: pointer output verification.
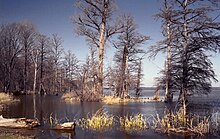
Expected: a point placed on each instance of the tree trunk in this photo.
(25, 67)
(56, 80)
(124, 73)
(35, 77)
(168, 94)
(126, 85)
(182, 97)
(94, 93)
(138, 79)
(41, 69)
(101, 57)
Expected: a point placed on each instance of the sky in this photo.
(54, 16)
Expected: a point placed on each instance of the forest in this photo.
(34, 63)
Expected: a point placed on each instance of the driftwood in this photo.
(18, 122)
(69, 126)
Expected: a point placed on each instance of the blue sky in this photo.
(53, 16)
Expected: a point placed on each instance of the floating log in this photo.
(68, 126)
(18, 122)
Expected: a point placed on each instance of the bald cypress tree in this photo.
(128, 45)
(94, 22)
(196, 37)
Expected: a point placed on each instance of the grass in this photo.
(170, 122)
(109, 100)
(70, 97)
(101, 120)
(181, 124)
(133, 123)
(53, 120)
(5, 98)
(114, 100)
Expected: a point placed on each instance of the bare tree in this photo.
(129, 46)
(94, 22)
(196, 34)
(32, 61)
(43, 44)
(56, 52)
(10, 51)
(35, 54)
(139, 75)
(70, 64)
(92, 61)
(27, 38)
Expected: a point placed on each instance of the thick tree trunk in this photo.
(168, 94)
(101, 57)
(138, 79)
(184, 90)
(126, 83)
(124, 73)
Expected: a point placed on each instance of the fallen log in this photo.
(68, 126)
(18, 122)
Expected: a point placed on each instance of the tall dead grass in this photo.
(101, 120)
(6, 98)
(71, 97)
(181, 124)
(133, 123)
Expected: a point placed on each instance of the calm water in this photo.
(41, 107)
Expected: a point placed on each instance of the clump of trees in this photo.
(33, 62)
(128, 56)
(191, 33)
(95, 23)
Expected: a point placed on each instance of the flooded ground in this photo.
(41, 107)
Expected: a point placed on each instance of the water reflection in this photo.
(41, 107)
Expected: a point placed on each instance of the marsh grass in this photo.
(114, 100)
(71, 98)
(109, 100)
(101, 120)
(181, 124)
(53, 120)
(5, 98)
(133, 123)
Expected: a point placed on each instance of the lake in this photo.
(41, 107)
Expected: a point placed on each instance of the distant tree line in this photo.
(33, 62)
